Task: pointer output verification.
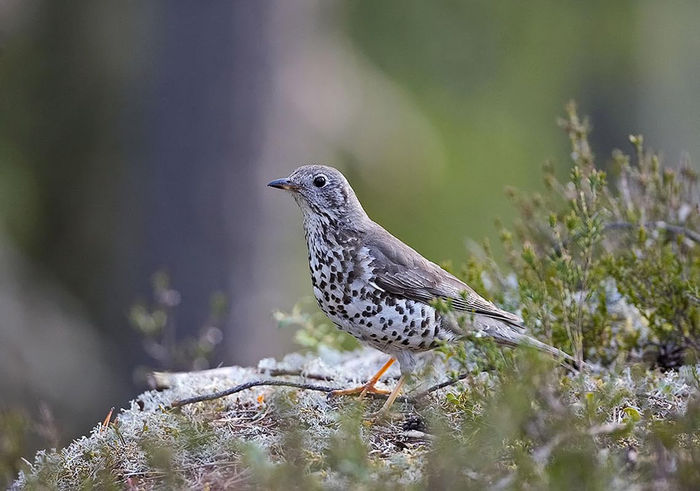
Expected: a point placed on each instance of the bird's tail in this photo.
(563, 357)
(514, 334)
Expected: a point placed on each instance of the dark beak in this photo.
(283, 184)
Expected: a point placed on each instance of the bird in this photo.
(373, 286)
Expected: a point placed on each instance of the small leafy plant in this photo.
(314, 329)
(156, 324)
(608, 272)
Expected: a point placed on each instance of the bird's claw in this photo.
(361, 390)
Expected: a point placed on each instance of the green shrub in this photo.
(314, 329)
(607, 272)
(155, 323)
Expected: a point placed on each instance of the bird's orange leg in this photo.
(369, 386)
(392, 397)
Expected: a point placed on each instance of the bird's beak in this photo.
(283, 184)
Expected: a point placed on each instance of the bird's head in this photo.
(321, 190)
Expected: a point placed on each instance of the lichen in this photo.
(495, 425)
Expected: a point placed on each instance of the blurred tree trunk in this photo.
(202, 139)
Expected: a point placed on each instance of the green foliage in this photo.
(156, 324)
(293, 463)
(14, 426)
(348, 453)
(527, 427)
(341, 458)
(523, 425)
(314, 328)
(21, 430)
(607, 272)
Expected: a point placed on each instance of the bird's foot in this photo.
(367, 388)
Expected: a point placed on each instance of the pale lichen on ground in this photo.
(205, 441)
(247, 438)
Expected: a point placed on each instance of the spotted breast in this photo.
(346, 290)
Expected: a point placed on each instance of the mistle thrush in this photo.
(381, 291)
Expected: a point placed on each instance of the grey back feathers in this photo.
(404, 272)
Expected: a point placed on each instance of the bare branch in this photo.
(249, 385)
(165, 380)
(674, 229)
(313, 387)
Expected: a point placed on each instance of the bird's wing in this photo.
(400, 270)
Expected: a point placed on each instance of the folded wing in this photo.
(402, 271)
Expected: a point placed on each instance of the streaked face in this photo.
(319, 189)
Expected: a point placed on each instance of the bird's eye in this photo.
(320, 181)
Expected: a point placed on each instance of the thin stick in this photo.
(313, 387)
(439, 386)
(106, 420)
(674, 229)
(249, 385)
(165, 380)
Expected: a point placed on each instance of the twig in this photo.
(674, 229)
(107, 419)
(313, 387)
(249, 385)
(439, 386)
(165, 380)
(606, 429)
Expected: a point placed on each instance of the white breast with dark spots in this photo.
(346, 291)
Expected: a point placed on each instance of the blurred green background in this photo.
(139, 136)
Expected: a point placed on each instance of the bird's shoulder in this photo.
(401, 270)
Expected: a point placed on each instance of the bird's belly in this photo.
(348, 294)
(381, 320)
